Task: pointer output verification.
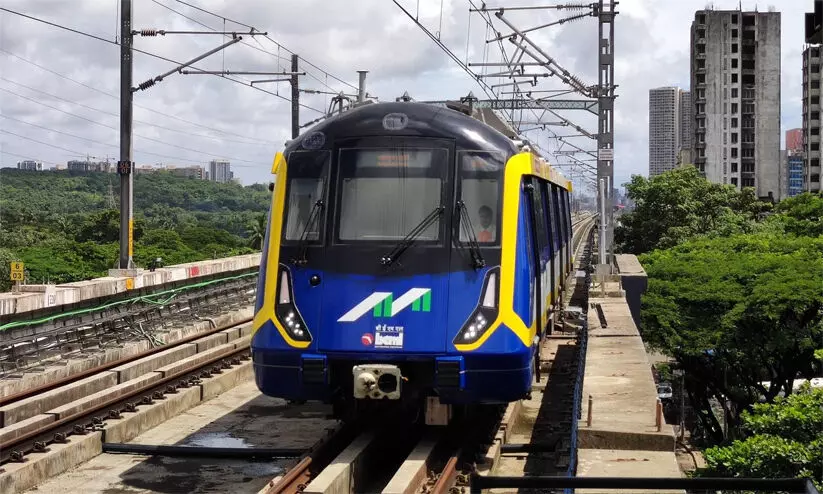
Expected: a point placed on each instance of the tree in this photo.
(735, 312)
(784, 439)
(257, 233)
(679, 204)
(6, 258)
(58, 224)
(801, 214)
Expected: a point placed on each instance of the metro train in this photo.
(414, 257)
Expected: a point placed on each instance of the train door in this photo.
(557, 230)
(530, 313)
(542, 254)
(567, 221)
(478, 232)
(569, 225)
(551, 241)
(564, 235)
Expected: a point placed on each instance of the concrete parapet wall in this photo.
(40, 296)
(634, 281)
(62, 370)
(618, 434)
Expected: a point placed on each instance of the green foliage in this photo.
(801, 215)
(680, 204)
(784, 439)
(61, 224)
(6, 257)
(734, 312)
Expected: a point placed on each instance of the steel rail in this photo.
(5, 400)
(448, 477)
(87, 420)
(319, 457)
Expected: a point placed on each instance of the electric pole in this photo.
(295, 99)
(125, 166)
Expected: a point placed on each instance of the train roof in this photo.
(412, 119)
(408, 119)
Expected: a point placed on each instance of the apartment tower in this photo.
(812, 76)
(667, 127)
(220, 171)
(735, 81)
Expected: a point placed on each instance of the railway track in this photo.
(150, 378)
(34, 391)
(431, 461)
(31, 340)
(435, 460)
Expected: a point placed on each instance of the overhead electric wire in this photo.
(160, 57)
(135, 134)
(117, 97)
(29, 157)
(75, 152)
(204, 136)
(483, 85)
(278, 44)
(101, 143)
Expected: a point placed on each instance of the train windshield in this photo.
(386, 192)
(480, 174)
(305, 214)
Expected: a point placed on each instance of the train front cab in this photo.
(325, 302)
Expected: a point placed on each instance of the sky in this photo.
(59, 90)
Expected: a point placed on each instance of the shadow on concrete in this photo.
(553, 425)
(262, 422)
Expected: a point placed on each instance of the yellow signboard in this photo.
(17, 266)
(17, 271)
(131, 238)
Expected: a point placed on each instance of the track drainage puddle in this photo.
(216, 440)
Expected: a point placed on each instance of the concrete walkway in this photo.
(623, 439)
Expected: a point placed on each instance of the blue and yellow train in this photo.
(414, 255)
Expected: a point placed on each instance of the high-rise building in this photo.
(193, 171)
(685, 120)
(794, 140)
(30, 165)
(220, 171)
(735, 85)
(794, 174)
(89, 166)
(665, 128)
(812, 76)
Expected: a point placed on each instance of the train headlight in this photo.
(485, 313)
(286, 311)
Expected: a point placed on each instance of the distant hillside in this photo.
(61, 225)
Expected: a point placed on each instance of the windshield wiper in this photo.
(409, 239)
(303, 243)
(474, 246)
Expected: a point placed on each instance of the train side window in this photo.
(551, 230)
(539, 216)
(559, 213)
(568, 215)
(480, 174)
(307, 172)
(557, 225)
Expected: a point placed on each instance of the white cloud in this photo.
(652, 49)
